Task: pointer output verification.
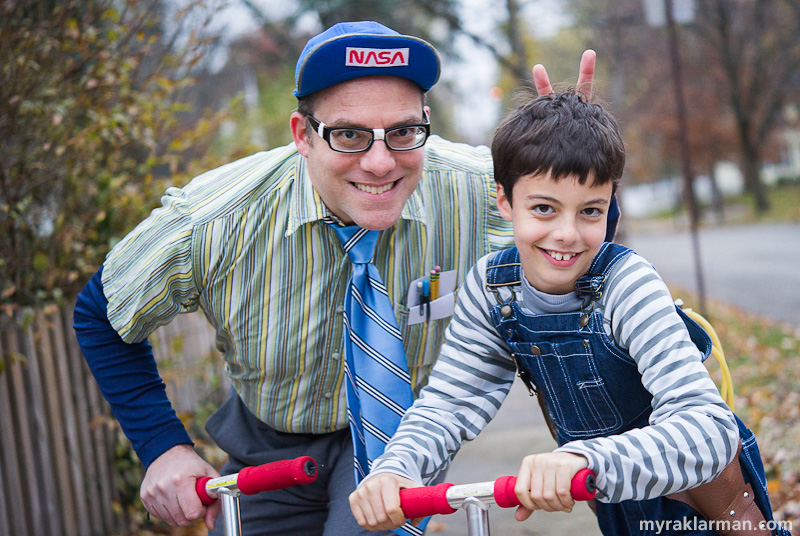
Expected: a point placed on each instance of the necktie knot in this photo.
(358, 243)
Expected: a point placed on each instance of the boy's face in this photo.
(558, 227)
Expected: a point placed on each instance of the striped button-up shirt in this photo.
(247, 245)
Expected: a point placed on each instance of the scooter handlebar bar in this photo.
(429, 500)
(266, 477)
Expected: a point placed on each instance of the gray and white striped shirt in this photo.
(692, 433)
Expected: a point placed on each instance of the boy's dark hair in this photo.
(560, 133)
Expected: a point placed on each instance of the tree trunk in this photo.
(717, 203)
(518, 53)
(752, 179)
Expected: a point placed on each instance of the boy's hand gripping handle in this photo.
(447, 498)
(582, 488)
(252, 480)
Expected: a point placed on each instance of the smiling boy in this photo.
(587, 324)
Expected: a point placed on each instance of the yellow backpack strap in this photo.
(726, 385)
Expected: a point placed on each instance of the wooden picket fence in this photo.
(58, 440)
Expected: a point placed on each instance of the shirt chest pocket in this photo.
(574, 390)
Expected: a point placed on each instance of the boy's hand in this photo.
(544, 482)
(376, 501)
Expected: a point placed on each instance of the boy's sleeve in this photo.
(692, 434)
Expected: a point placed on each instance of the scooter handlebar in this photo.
(266, 477)
(582, 488)
(425, 501)
(429, 500)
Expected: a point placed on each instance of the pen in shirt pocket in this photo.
(425, 297)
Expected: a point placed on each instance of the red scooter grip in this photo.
(582, 488)
(267, 477)
(200, 488)
(425, 501)
(277, 475)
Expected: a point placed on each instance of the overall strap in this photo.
(589, 286)
(504, 269)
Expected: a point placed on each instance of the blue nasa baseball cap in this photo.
(351, 50)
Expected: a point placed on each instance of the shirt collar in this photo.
(308, 206)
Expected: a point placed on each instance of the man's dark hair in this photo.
(562, 134)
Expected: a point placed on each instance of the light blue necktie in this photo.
(378, 383)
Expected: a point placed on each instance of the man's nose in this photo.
(378, 160)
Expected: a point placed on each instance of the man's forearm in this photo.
(127, 376)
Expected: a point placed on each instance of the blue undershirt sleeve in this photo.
(612, 219)
(127, 376)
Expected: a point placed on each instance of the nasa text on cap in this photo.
(351, 50)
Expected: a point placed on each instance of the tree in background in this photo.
(741, 60)
(755, 48)
(90, 127)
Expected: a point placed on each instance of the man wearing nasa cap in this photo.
(253, 245)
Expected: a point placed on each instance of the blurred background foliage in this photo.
(104, 103)
(92, 122)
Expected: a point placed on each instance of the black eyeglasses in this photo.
(358, 140)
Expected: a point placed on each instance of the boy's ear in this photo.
(503, 203)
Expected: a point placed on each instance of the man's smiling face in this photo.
(369, 188)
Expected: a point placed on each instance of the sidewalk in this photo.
(518, 430)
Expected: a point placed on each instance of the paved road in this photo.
(755, 267)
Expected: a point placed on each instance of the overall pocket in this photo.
(574, 391)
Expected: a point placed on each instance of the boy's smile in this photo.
(559, 227)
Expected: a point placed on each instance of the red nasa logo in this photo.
(376, 57)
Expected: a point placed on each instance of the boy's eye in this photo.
(592, 212)
(543, 209)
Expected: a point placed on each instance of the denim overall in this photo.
(590, 387)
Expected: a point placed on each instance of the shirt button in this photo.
(339, 309)
(336, 355)
(328, 395)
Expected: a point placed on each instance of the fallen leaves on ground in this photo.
(764, 361)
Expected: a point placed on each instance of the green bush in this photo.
(91, 127)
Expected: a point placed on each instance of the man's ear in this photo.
(503, 203)
(297, 124)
